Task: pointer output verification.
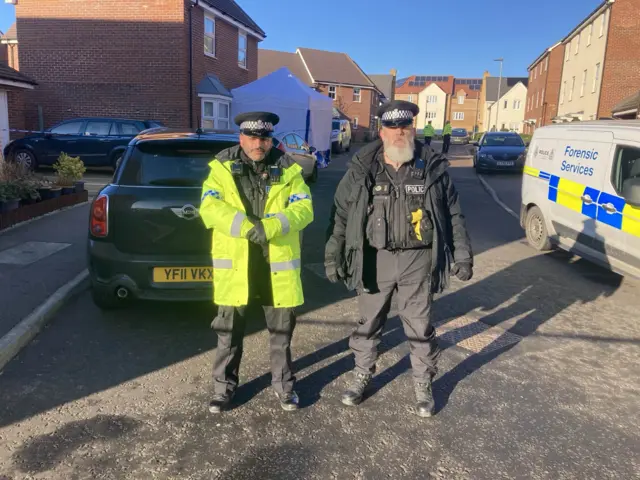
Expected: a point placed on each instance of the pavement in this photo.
(538, 378)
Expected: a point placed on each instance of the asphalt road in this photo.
(538, 379)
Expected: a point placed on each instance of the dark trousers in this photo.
(446, 142)
(408, 273)
(427, 140)
(229, 325)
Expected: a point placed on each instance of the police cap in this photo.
(397, 113)
(257, 124)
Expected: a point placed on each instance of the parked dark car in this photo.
(459, 136)
(499, 151)
(99, 142)
(146, 239)
(303, 154)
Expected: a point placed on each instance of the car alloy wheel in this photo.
(25, 158)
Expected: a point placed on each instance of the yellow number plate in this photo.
(182, 274)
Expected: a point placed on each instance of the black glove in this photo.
(463, 270)
(333, 269)
(257, 234)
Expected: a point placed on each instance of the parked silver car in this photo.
(459, 136)
(303, 154)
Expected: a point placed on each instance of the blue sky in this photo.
(439, 37)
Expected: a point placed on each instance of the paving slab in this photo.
(38, 258)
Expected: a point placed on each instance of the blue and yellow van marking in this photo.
(570, 194)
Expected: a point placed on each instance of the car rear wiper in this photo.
(176, 182)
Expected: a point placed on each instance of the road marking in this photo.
(30, 252)
(495, 197)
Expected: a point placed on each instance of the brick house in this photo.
(545, 74)
(170, 60)
(466, 104)
(336, 75)
(9, 47)
(413, 89)
(12, 86)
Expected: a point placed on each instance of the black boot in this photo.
(220, 402)
(353, 395)
(288, 401)
(425, 404)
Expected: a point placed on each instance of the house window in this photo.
(356, 94)
(584, 83)
(458, 115)
(535, 72)
(528, 103)
(596, 77)
(542, 96)
(590, 34)
(546, 64)
(332, 91)
(516, 104)
(432, 99)
(506, 104)
(602, 22)
(573, 86)
(431, 115)
(209, 36)
(215, 114)
(575, 52)
(566, 52)
(242, 49)
(355, 123)
(410, 98)
(537, 99)
(460, 99)
(564, 89)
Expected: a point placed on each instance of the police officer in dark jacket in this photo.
(396, 225)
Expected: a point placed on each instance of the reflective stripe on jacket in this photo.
(288, 210)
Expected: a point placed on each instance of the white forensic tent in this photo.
(301, 109)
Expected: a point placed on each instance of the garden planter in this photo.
(79, 186)
(68, 190)
(45, 193)
(28, 201)
(56, 192)
(9, 205)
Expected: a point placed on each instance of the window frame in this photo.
(584, 82)
(355, 123)
(81, 129)
(458, 116)
(334, 93)
(88, 122)
(215, 100)
(243, 34)
(603, 18)
(212, 36)
(577, 47)
(573, 87)
(590, 34)
(358, 95)
(596, 78)
(460, 99)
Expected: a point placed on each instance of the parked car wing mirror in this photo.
(631, 191)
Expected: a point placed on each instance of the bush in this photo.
(17, 181)
(525, 137)
(69, 169)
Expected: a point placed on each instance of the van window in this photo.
(335, 125)
(626, 165)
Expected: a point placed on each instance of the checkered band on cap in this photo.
(395, 115)
(257, 125)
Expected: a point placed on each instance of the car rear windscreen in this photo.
(335, 125)
(460, 132)
(503, 141)
(170, 164)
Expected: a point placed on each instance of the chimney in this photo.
(393, 72)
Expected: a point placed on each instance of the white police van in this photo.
(581, 191)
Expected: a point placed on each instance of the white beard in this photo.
(400, 155)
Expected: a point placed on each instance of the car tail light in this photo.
(99, 224)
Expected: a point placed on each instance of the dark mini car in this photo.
(99, 142)
(146, 239)
(500, 151)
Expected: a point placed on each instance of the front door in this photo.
(4, 119)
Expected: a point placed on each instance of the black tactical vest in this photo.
(397, 217)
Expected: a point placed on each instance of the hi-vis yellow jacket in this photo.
(429, 131)
(288, 210)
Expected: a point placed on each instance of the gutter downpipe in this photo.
(194, 3)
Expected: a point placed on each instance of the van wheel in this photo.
(536, 230)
